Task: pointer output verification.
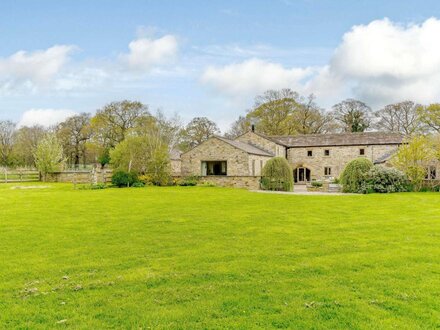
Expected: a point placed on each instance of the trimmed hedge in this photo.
(353, 175)
(277, 175)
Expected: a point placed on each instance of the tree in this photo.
(274, 112)
(197, 131)
(277, 175)
(112, 123)
(353, 175)
(49, 155)
(413, 157)
(73, 133)
(26, 140)
(430, 115)
(309, 118)
(352, 115)
(402, 117)
(7, 129)
(238, 127)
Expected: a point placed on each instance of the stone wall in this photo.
(256, 164)
(215, 150)
(176, 167)
(263, 143)
(98, 176)
(247, 182)
(338, 158)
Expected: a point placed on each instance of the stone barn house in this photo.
(238, 162)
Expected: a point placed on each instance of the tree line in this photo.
(129, 136)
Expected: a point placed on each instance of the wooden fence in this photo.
(18, 175)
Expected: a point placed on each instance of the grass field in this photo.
(207, 258)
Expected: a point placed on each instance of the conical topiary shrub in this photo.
(354, 173)
(277, 175)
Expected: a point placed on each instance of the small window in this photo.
(431, 173)
(309, 153)
(327, 171)
(361, 152)
(261, 166)
(326, 152)
(253, 167)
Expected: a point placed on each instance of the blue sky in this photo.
(200, 58)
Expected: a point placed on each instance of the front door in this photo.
(301, 175)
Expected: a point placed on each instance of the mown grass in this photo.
(199, 258)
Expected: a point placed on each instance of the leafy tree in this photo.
(7, 129)
(353, 175)
(430, 115)
(413, 157)
(274, 111)
(49, 155)
(26, 140)
(197, 131)
(73, 133)
(277, 175)
(400, 117)
(112, 123)
(352, 115)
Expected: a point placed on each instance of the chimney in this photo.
(253, 128)
(253, 123)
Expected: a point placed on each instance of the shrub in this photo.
(138, 185)
(353, 175)
(188, 181)
(316, 184)
(124, 179)
(380, 179)
(277, 175)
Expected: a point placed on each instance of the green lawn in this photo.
(207, 258)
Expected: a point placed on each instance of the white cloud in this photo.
(254, 76)
(145, 53)
(32, 69)
(379, 63)
(44, 117)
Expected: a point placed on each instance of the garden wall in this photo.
(248, 182)
(93, 176)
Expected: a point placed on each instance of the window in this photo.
(361, 152)
(326, 152)
(253, 167)
(261, 167)
(309, 153)
(214, 168)
(431, 173)
(327, 171)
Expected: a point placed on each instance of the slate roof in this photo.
(385, 157)
(339, 139)
(250, 149)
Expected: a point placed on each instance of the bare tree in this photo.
(7, 129)
(402, 117)
(352, 115)
(73, 133)
(430, 116)
(238, 127)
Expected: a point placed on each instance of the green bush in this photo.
(277, 175)
(124, 179)
(316, 184)
(380, 179)
(188, 181)
(353, 175)
(138, 185)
